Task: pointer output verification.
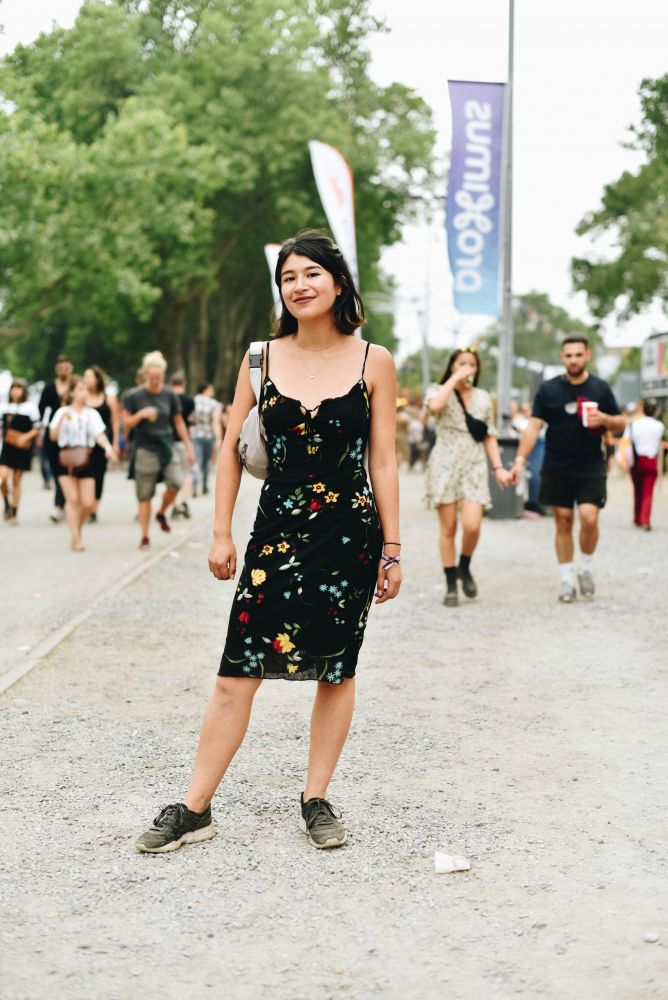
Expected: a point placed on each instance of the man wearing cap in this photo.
(577, 408)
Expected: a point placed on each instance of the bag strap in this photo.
(460, 400)
(255, 357)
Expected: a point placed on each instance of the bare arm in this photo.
(383, 463)
(610, 422)
(104, 442)
(130, 420)
(440, 397)
(526, 446)
(115, 420)
(501, 475)
(223, 554)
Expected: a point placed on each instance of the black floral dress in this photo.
(310, 569)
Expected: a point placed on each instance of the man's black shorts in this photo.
(563, 489)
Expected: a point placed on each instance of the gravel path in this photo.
(525, 735)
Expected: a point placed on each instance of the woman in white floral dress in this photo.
(457, 477)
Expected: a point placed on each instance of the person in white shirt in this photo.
(646, 436)
(20, 427)
(77, 428)
(206, 430)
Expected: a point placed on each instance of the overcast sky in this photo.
(578, 65)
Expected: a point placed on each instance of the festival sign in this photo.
(334, 180)
(473, 216)
(271, 251)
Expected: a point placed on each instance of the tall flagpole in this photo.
(505, 369)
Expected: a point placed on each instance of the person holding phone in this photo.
(577, 408)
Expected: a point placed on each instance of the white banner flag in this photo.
(271, 251)
(334, 181)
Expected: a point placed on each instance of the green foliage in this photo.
(634, 211)
(150, 152)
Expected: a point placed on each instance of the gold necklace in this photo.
(305, 350)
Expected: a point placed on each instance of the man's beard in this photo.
(575, 372)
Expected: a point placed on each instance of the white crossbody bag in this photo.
(252, 442)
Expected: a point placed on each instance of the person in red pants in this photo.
(646, 434)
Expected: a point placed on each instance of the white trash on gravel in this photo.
(446, 863)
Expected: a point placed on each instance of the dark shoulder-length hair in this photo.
(316, 245)
(101, 379)
(453, 357)
(19, 383)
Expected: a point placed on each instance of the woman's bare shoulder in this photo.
(380, 359)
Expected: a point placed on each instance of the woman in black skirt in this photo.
(107, 406)
(323, 544)
(20, 428)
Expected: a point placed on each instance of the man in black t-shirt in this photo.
(577, 408)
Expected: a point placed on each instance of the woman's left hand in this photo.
(503, 478)
(388, 582)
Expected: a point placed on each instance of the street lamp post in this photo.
(505, 369)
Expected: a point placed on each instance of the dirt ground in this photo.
(526, 735)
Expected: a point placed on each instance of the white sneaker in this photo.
(57, 515)
(567, 593)
(587, 588)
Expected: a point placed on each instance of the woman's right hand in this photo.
(462, 373)
(223, 558)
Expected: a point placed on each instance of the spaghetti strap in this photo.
(266, 362)
(366, 353)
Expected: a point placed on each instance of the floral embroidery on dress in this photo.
(309, 574)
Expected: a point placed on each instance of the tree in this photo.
(634, 212)
(159, 145)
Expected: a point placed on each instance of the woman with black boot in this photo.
(456, 477)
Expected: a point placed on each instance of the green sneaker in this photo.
(321, 824)
(175, 825)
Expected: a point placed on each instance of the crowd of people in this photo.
(78, 426)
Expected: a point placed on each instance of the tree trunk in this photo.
(198, 348)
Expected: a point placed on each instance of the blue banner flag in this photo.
(473, 216)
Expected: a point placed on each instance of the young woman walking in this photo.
(20, 428)
(322, 545)
(456, 477)
(646, 435)
(107, 406)
(77, 426)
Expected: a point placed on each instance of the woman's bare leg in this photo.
(70, 488)
(222, 733)
(87, 500)
(16, 488)
(471, 523)
(447, 518)
(330, 723)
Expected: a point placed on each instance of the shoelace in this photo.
(166, 813)
(322, 814)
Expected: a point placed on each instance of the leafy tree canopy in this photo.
(634, 212)
(148, 154)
